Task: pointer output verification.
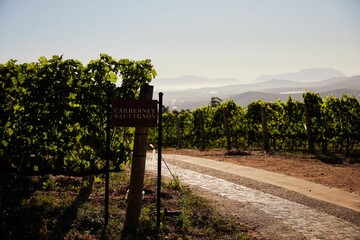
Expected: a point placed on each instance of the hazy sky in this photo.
(212, 38)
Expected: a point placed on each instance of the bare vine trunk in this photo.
(202, 131)
(227, 130)
(264, 130)
(309, 129)
(178, 132)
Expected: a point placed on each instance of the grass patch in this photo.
(50, 209)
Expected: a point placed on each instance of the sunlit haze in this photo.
(239, 39)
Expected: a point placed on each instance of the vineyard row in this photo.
(315, 123)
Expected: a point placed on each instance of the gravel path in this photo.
(273, 212)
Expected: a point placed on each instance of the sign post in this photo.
(158, 201)
(142, 114)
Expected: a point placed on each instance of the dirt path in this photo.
(342, 176)
(270, 211)
(310, 189)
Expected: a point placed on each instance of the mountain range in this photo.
(305, 75)
(325, 81)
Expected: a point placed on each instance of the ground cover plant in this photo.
(51, 208)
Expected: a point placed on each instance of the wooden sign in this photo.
(134, 113)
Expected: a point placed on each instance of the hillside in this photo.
(305, 75)
(269, 90)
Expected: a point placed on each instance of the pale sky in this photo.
(240, 39)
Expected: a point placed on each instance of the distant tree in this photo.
(166, 109)
(215, 101)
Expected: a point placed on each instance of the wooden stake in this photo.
(135, 195)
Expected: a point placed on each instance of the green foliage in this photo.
(335, 123)
(169, 129)
(53, 113)
(50, 184)
(175, 184)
